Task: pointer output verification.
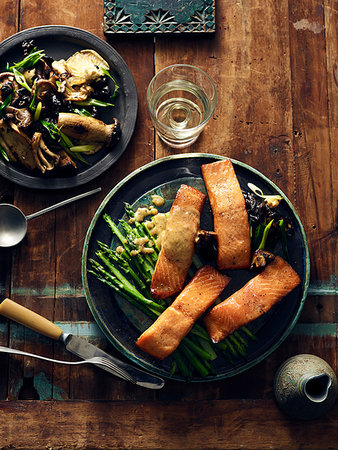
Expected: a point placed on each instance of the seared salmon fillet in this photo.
(177, 249)
(252, 300)
(166, 333)
(231, 222)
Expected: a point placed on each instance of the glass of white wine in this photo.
(181, 99)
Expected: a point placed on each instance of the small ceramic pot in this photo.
(305, 386)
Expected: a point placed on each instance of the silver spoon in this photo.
(13, 222)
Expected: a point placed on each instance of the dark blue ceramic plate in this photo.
(122, 324)
(59, 42)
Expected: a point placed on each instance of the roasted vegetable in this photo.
(261, 258)
(206, 244)
(88, 129)
(268, 226)
(17, 143)
(45, 159)
(38, 101)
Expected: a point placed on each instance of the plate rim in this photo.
(130, 355)
(27, 180)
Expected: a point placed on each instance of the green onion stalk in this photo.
(4, 104)
(129, 273)
(82, 112)
(21, 80)
(116, 86)
(28, 62)
(4, 154)
(92, 102)
(56, 134)
(262, 244)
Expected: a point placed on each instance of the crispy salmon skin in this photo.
(252, 300)
(166, 333)
(231, 222)
(177, 249)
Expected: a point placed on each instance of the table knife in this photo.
(78, 346)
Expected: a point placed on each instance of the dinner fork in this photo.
(96, 360)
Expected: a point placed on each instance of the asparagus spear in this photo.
(132, 285)
(142, 268)
(125, 266)
(122, 286)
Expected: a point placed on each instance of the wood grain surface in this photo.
(274, 65)
(233, 424)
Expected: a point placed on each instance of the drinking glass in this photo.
(181, 99)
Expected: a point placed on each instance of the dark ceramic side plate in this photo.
(61, 42)
(164, 176)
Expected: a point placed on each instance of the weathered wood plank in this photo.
(44, 12)
(33, 267)
(70, 229)
(9, 25)
(248, 59)
(7, 28)
(314, 160)
(331, 20)
(150, 425)
(92, 383)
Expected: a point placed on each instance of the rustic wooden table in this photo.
(275, 68)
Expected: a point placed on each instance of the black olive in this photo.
(100, 83)
(102, 94)
(49, 60)
(6, 90)
(22, 92)
(23, 100)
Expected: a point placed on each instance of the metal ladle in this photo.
(13, 222)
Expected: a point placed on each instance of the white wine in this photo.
(179, 106)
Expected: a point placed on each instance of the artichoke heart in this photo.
(83, 67)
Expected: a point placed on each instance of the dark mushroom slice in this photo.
(35, 150)
(66, 165)
(43, 88)
(43, 70)
(9, 152)
(261, 258)
(45, 159)
(22, 116)
(8, 85)
(88, 129)
(49, 165)
(55, 157)
(206, 244)
(18, 143)
(29, 75)
(76, 93)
